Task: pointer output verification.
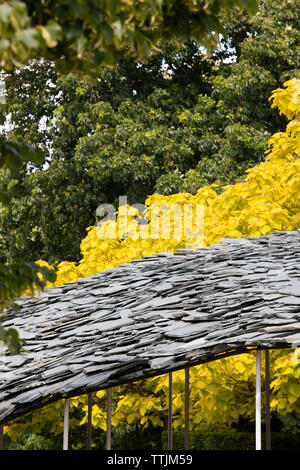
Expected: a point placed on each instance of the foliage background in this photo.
(143, 128)
(177, 139)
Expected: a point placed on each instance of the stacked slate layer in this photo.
(157, 314)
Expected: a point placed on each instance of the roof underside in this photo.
(154, 315)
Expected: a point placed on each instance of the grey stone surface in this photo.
(156, 314)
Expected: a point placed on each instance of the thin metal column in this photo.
(66, 424)
(108, 422)
(89, 422)
(258, 402)
(170, 412)
(268, 409)
(1, 437)
(187, 409)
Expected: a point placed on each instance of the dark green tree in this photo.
(174, 123)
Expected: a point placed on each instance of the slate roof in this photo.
(160, 313)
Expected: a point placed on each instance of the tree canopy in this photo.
(86, 34)
(176, 123)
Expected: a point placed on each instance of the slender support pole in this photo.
(89, 422)
(258, 402)
(108, 422)
(268, 409)
(1, 437)
(66, 424)
(187, 409)
(170, 412)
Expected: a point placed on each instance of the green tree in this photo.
(174, 123)
(108, 137)
(86, 34)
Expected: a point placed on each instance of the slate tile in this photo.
(161, 362)
(55, 371)
(182, 329)
(290, 300)
(113, 324)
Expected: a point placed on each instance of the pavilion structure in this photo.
(155, 315)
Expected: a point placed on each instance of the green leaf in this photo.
(81, 43)
(15, 153)
(11, 339)
(4, 197)
(55, 30)
(78, 9)
(30, 153)
(48, 274)
(5, 12)
(28, 37)
(250, 5)
(118, 30)
(3, 334)
(294, 389)
(4, 44)
(108, 33)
